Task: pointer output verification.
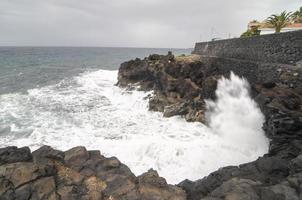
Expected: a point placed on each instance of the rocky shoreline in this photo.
(180, 84)
(175, 82)
(76, 174)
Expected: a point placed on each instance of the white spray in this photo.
(236, 117)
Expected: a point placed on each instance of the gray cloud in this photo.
(137, 23)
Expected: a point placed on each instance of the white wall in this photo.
(265, 31)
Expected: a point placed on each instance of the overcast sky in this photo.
(129, 23)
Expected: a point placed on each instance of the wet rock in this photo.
(209, 87)
(176, 109)
(121, 182)
(237, 189)
(269, 84)
(47, 155)
(134, 71)
(176, 81)
(280, 191)
(43, 188)
(95, 188)
(154, 57)
(14, 154)
(158, 103)
(79, 174)
(203, 187)
(21, 173)
(6, 189)
(296, 164)
(153, 187)
(76, 157)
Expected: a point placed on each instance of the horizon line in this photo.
(63, 46)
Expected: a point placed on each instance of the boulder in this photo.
(153, 187)
(237, 189)
(175, 109)
(14, 154)
(47, 155)
(76, 157)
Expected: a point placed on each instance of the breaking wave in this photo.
(88, 110)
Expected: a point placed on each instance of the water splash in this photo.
(235, 116)
(89, 110)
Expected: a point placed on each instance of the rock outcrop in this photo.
(176, 82)
(180, 86)
(76, 174)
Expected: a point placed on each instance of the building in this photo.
(266, 29)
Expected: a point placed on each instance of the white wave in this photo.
(89, 110)
(236, 117)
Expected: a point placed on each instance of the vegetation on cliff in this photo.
(276, 21)
(279, 21)
(297, 16)
(254, 31)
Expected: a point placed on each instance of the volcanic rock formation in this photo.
(180, 86)
(76, 174)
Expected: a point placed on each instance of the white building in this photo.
(266, 29)
(291, 27)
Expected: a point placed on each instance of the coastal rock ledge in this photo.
(76, 174)
(181, 84)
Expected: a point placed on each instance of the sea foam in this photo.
(88, 110)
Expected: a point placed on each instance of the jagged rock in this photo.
(76, 157)
(77, 174)
(296, 164)
(43, 188)
(176, 81)
(176, 109)
(21, 173)
(237, 189)
(153, 187)
(209, 87)
(154, 57)
(6, 189)
(95, 188)
(14, 154)
(134, 71)
(46, 155)
(283, 191)
(158, 103)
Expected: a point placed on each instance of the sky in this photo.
(129, 23)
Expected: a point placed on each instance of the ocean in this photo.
(66, 96)
(23, 68)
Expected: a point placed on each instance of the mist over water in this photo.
(88, 110)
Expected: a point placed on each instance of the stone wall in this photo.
(285, 48)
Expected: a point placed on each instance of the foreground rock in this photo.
(180, 86)
(76, 174)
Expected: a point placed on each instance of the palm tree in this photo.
(297, 16)
(279, 21)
